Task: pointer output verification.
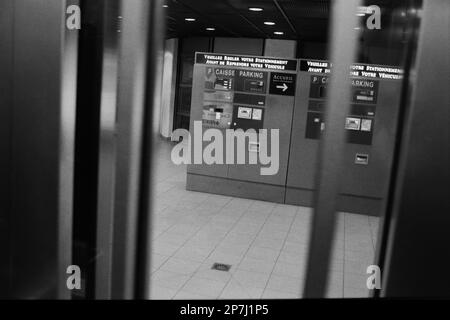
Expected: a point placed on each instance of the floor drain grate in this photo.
(221, 267)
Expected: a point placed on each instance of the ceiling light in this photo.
(280, 33)
(255, 9)
(210, 29)
(269, 23)
(165, 6)
(190, 19)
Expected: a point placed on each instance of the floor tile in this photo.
(290, 270)
(261, 253)
(167, 279)
(157, 260)
(357, 267)
(185, 295)
(266, 242)
(206, 272)
(234, 249)
(250, 279)
(356, 293)
(161, 293)
(295, 248)
(181, 266)
(284, 209)
(285, 284)
(173, 238)
(238, 239)
(164, 248)
(226, 257)
(195, 253)
(360, 255)
(356, 281)
(335, 278)
(204, 287)
(337, 265)
(262, 206)
(298, 237)
(234, 290)
(248, 228)
(273, 294)
(293, 257)
(256, 265)
(277, 235)
(336, 292)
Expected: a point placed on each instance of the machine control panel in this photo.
(236, 88)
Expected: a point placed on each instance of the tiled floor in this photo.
(266, 244)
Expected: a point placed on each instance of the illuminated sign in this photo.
(249, 62)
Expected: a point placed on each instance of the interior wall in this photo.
(384, 56)
(312, 50)
(280, 48)
(185, 66)
(242, 46)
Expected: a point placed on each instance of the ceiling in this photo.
(306, 20)
(297, 19)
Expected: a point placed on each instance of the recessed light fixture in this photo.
(254, 9)
(269, 23)
(190, 19)
(279, 33)
(165, 6)
(210, 29)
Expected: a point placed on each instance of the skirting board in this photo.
(278, 194)
(346, 203)
(235, 188)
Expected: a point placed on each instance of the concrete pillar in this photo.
(168, 87)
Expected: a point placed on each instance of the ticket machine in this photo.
(370, 127)
(243, 93)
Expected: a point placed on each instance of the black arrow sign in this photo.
(282, 83)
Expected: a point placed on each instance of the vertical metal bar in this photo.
(408, 58)
(343, 51)
(68, 74)
(6, 65)
(107, 150)
(156, 32)
(417, 241)
(42, 148)
(129, 131)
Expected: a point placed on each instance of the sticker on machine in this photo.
(218, 95)
(352, 123)
(219, 78)
(257, 114)
(244, 113)
(217, 115)
(366, 125)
